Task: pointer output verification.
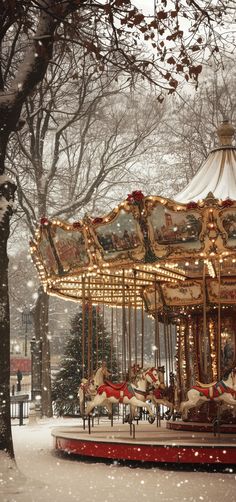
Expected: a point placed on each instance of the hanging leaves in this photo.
(194, 71)
(115, 30)
(171, 60)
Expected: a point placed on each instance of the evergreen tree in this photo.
(66, 383)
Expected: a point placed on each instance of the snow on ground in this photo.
(44, 476)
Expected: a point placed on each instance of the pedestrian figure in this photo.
(19, 377)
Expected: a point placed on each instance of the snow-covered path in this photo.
(48, 477)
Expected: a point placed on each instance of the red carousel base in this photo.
(150, 444)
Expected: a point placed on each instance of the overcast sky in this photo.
(147, 6)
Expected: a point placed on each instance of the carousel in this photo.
(173, 261)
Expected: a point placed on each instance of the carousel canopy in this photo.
(218, 173)
(151, 248)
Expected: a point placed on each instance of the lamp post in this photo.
(36, 368)
(27, 321)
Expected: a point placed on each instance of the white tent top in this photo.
(217, 174)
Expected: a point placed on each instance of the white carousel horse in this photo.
(223, 391)
(88, 387)
(164, 395)
(130, 393)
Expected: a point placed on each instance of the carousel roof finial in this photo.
(225, 133)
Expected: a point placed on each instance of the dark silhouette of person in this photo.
(19, 377)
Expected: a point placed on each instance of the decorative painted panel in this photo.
(175, 228)
(71, 249)
(227, 291)
(120, 237)
(228, 219)
(62, 250)
(186, 294)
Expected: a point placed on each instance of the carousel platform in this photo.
(202, 427)
(146, 443)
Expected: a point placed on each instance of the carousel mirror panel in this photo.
(174, 228)
(119, 237)
(228, 220)
(62, 250)
(223, 290)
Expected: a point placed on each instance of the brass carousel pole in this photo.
(165, 342)
(205, 337)
(186, 350)
(103, 325)
(92, 339)
(218, 345)
(123, 328)
(89, 355)
(97, 327)
(171, 348)
(129, 337)
(157, 335)
(142, 339)
(135, 322)
(112, 335)
(168, 346)
(119, 362)
(83, 325)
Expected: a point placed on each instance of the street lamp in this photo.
(36, 368)
(27, 321)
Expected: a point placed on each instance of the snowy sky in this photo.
(147, 6)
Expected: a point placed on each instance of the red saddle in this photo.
(214, 391)
(115, 386)
(158, 393)
(117, 390)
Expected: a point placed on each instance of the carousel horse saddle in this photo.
(116, 386)
(158, 393)
(117, 390)
(214, 391)
(205, 385)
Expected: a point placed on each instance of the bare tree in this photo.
(192, 127)
(188, 131)
(78, 140)
(76, 143)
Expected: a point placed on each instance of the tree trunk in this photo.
(7, 190)
(42, 356)
(30, 72)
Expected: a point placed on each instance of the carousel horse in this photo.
(132, 393)
(88, 386)
(223, 391)
(165, 395)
